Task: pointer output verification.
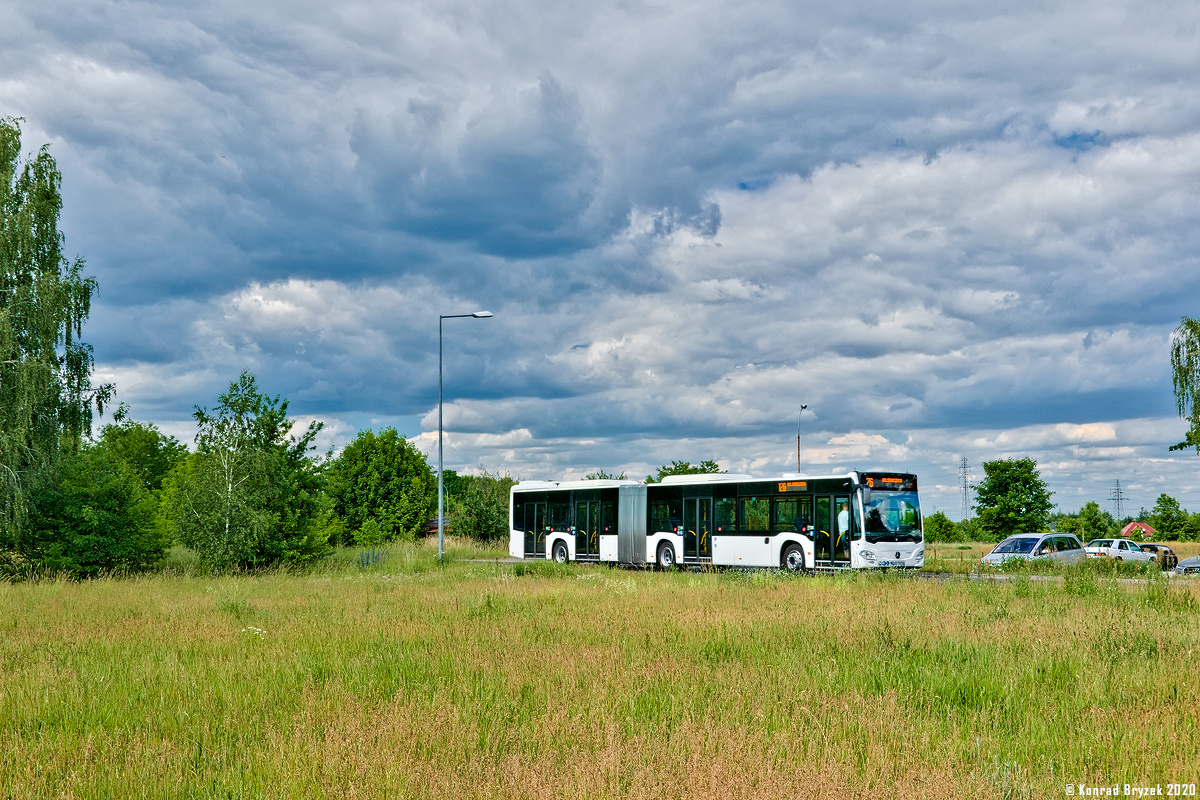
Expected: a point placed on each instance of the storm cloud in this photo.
(951, 231)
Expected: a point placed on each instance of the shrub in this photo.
(90, 516)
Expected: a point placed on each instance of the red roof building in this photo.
(1141, 530)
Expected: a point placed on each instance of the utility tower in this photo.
(964, 481)
(1119, 500)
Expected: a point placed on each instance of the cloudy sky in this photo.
(952, 230)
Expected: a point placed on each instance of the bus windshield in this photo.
(892, 517)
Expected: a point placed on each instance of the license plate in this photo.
(891, 563)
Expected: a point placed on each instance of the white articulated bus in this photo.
(856, 520)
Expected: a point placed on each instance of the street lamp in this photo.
(798, 416)
(441, 513)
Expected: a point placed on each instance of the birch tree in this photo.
(217, 499)
(1185, 371)
(46, 394)
(248, 496)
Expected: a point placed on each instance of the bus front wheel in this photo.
(666, 557)
(560, 552)
(793, 558)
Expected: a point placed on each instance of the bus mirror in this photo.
(866, 495)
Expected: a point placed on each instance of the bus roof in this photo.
(527, 486)
(855, 476)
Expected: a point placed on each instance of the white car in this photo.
(1119, 549)
(1062, 547)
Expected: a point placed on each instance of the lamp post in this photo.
(441, 513)
(798, 416)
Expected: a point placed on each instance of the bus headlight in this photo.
(868, 556)
(919, 554)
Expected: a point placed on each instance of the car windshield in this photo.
(1100, 543)
(1017, 544)
(893, 517)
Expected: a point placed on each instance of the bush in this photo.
(91, 516)
(382, 477)
(939, 528)
(249, 496)
(481, 508)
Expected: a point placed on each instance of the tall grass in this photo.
(964, 558)
(409, 679)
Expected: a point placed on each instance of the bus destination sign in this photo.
(895, 483)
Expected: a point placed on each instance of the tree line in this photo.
(251, 494)
(1013, 498)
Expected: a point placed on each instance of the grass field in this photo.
(409, 679)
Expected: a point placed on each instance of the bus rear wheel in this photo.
(793, 558)
(666, 557)
(560, 552)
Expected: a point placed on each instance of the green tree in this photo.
(148, 452)
(1066, 523)
(91, 515)
(481, 508)
(1168, 518)
(967, 530)
(449, 484)
(1094, 523)
(602, 475)
(1191, 530)
(250, 495)
(215, 502)
(1185, 372)
(385, 478)
(939, 528)
(1012, 498)
(46, 394)
(684, 468)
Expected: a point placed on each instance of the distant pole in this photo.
(441, 513)
(799, 460)
(964, 475)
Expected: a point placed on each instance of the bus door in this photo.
(697, 524)
(822, 539)
(587, 529)
(535, 529)
(843, 531)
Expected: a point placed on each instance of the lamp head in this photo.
(481, 314)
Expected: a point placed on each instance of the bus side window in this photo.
(608, 517)
(785, 514)
(560, 516)
(660, 514)
(725, 515)
(756, 514)
(804, 514)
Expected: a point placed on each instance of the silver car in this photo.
(1189, 566)
(1064, 547)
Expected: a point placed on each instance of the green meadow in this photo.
(406, 678)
